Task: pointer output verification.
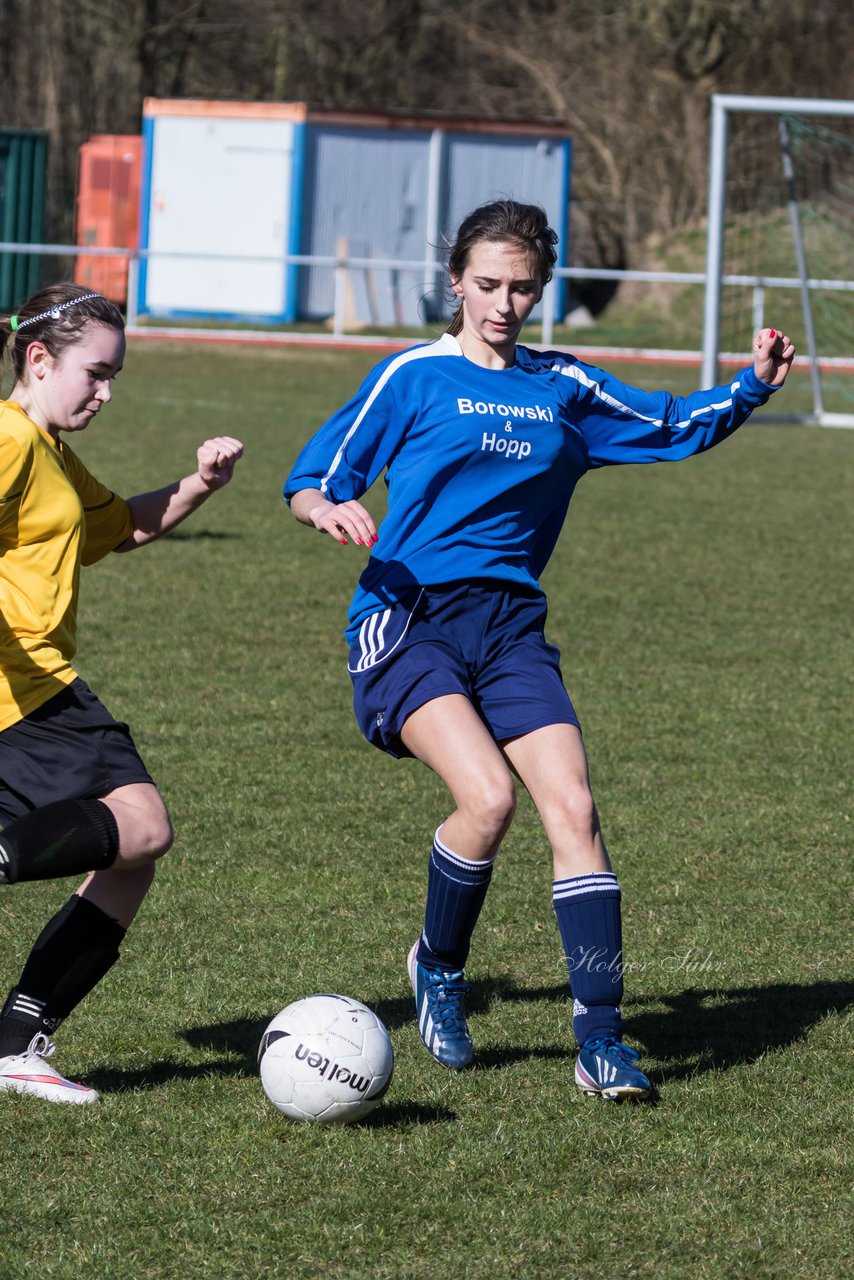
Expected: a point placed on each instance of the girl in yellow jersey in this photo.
(75, 796)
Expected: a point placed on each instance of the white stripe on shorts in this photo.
(372, 636)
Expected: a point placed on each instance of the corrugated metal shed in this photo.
(248, 183)
(23, 167)
(366, 196)
(108, 210)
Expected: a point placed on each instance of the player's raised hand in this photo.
(345, 519)
(217, 459)
(773, 353)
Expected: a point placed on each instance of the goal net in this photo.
(781, 240)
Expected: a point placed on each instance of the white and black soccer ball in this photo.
(326, 1059)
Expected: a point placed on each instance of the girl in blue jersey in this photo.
(482, 443)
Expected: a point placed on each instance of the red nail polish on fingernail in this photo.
(773, 333)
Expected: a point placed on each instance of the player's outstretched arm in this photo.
(157, 512)
(341, 520)
(773, 353)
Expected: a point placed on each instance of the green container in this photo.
(23, 169)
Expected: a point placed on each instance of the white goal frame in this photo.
(722, 105)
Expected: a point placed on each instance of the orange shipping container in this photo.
(108, 210)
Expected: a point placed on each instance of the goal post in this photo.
(781, 221)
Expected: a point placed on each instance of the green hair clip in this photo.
(13, 321)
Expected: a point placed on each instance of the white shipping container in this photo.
(230, 189)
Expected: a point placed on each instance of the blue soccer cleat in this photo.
(606, 1068)
(441, 1014)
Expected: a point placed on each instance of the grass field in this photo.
(703, 612)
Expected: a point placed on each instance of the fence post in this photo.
(549, 297)
(758, 307)
(131, 309)
(339, 300)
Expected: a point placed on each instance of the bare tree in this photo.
(630, 78)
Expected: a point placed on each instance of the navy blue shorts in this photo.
(483, 640)
(69, 748)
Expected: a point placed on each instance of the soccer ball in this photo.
(325, 1058)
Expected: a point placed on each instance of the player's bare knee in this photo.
(160, 837)
(493, 808)
(577, 811)
(147, 838)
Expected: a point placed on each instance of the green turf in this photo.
(702, 611)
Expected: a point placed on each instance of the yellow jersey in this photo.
(54, 516)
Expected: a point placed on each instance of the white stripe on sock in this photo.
(454, 858)
(584, 887)
(26, 1004)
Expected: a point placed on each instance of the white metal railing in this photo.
(342, 265)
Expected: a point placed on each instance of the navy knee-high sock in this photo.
(456, 888)
(590, 923)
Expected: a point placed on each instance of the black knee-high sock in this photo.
(71, 954)
(61, 839)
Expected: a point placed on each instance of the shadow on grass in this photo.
(713, 1029)
(237, 1039)
(701, 1029)
(240, 1037)
(396, 1115)
(110, 1080)
(697, 1030)
(201, 535)
(498, 1056)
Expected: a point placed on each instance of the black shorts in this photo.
(69, 748)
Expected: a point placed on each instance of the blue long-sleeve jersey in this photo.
(481, 463)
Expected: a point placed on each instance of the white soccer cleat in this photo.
(30, 1073)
